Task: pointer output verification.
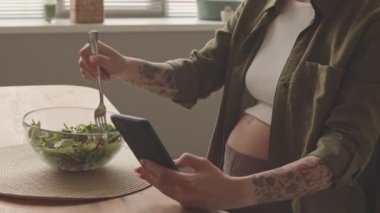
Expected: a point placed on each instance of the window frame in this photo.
(63, 12)
(159, 8)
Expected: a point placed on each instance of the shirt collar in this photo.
(273, 4)
(326, 7)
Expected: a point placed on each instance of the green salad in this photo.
(78, 148)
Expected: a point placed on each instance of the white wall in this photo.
(30, 59)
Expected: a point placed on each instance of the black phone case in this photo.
(140, 136)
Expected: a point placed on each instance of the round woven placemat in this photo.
(24, 174)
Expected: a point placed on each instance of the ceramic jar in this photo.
(87, 11)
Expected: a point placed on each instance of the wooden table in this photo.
(16, 101)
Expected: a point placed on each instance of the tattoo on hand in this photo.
(294, 180)
(158, 79)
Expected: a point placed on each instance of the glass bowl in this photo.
(67, 139)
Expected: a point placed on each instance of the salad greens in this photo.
(78, 148)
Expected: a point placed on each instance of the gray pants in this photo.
(237, 164)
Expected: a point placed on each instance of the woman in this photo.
(299, 119)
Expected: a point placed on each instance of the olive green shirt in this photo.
(327, 101)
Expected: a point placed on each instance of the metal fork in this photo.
(100, 111)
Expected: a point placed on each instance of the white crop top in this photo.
(263, 74)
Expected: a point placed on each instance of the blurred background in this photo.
(41, 50)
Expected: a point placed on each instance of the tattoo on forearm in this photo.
(293, 180)
(157, 79)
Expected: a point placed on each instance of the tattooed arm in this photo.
(155, 77)
(293, 180)
(208, 187)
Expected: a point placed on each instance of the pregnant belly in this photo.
(250, 137)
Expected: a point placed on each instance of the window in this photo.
(181, 8)
(21, 9)
(122, 8)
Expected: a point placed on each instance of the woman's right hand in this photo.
(155, 77)
(113, 65)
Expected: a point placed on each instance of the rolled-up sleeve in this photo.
(205, 70)
(352, 129)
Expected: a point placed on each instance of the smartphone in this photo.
(140, 136)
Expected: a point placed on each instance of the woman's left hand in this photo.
(205, 187)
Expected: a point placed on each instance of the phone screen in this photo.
(140, 136)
